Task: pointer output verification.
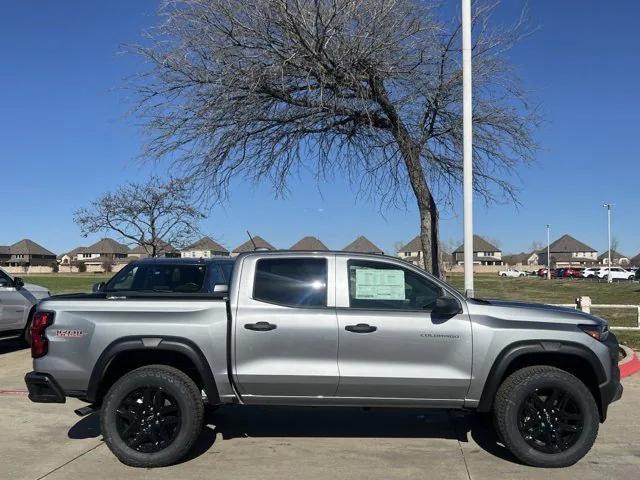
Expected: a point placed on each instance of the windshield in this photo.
(169, 278)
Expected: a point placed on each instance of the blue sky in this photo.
(65, 137)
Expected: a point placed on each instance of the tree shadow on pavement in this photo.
(228, 422)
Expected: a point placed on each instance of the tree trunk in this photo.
(410, 151)
(428, 212)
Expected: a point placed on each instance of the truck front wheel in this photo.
(152, 416)
(546, 416)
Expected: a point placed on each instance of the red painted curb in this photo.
(14, 391)
(629, 367)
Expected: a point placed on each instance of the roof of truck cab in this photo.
(186, 260)
(298, 253)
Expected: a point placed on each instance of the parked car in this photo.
(542, 272)
(637, 274)
(512, 272)
(572, 272)
(591, 272)
(17, 305)
(557, 273)
(319, 329)
(617, 273)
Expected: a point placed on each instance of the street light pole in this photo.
(548, 257)
(467, 128)
(608, 207)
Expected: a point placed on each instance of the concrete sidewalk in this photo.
(49, 441)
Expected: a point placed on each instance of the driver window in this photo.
(377, 285)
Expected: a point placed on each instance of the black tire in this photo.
(569, 439)
(121, 416)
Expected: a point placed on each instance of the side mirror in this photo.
(18, 283)
(97, 287)
(447, 306)
(220, 288)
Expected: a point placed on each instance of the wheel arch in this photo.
(572, 357)
(128, 353)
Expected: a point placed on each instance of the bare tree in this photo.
(150, 215)
(369, 89)
(536, 245)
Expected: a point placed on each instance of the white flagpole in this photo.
(467, 148)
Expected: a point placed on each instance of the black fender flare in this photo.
(166, 343)
(512, 352)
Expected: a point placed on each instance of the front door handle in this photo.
(260, 326)
(361, 328)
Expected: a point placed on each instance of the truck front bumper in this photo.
(43, 388)
(611, 390)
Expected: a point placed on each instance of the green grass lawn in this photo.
(486, 285)
(67, 283)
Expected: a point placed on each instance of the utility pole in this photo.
(548, 255)
(608, 207)
(467, 128)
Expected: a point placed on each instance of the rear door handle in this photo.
(260, 326)
(361, 328)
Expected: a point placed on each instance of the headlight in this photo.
(599, 332)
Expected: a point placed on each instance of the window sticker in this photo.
(373, 284)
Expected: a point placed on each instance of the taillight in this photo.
(39, 343)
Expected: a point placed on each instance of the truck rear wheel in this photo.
(152, 416)
(546, 416)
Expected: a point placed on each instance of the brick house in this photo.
(566, 251)
(484, 253)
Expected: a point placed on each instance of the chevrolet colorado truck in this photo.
(163, 338)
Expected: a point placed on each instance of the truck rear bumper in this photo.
(43, 388)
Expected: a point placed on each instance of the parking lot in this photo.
(50, 441)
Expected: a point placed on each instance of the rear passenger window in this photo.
(293, 282)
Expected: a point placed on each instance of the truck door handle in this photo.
(260, 326)
(360, 328)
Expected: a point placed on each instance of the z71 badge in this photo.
(69, 333)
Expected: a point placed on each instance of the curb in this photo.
(630, 364)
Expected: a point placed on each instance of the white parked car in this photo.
(512, 272)
(590, 272)
(617, 273)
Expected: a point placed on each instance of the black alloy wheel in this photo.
(148, 419)
(550, 420)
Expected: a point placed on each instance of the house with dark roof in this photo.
(26, 253)
(566, 251)
(484, 253)
(363, 245)
(309, 243)
(204, 248)
(163, 250)
(412, 252)
(616, 258)
(520, 259)
(70, 257)
(5, 253)
(258, 243)
(105, 250)
(635, 261)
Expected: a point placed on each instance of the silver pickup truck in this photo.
(163, 338)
